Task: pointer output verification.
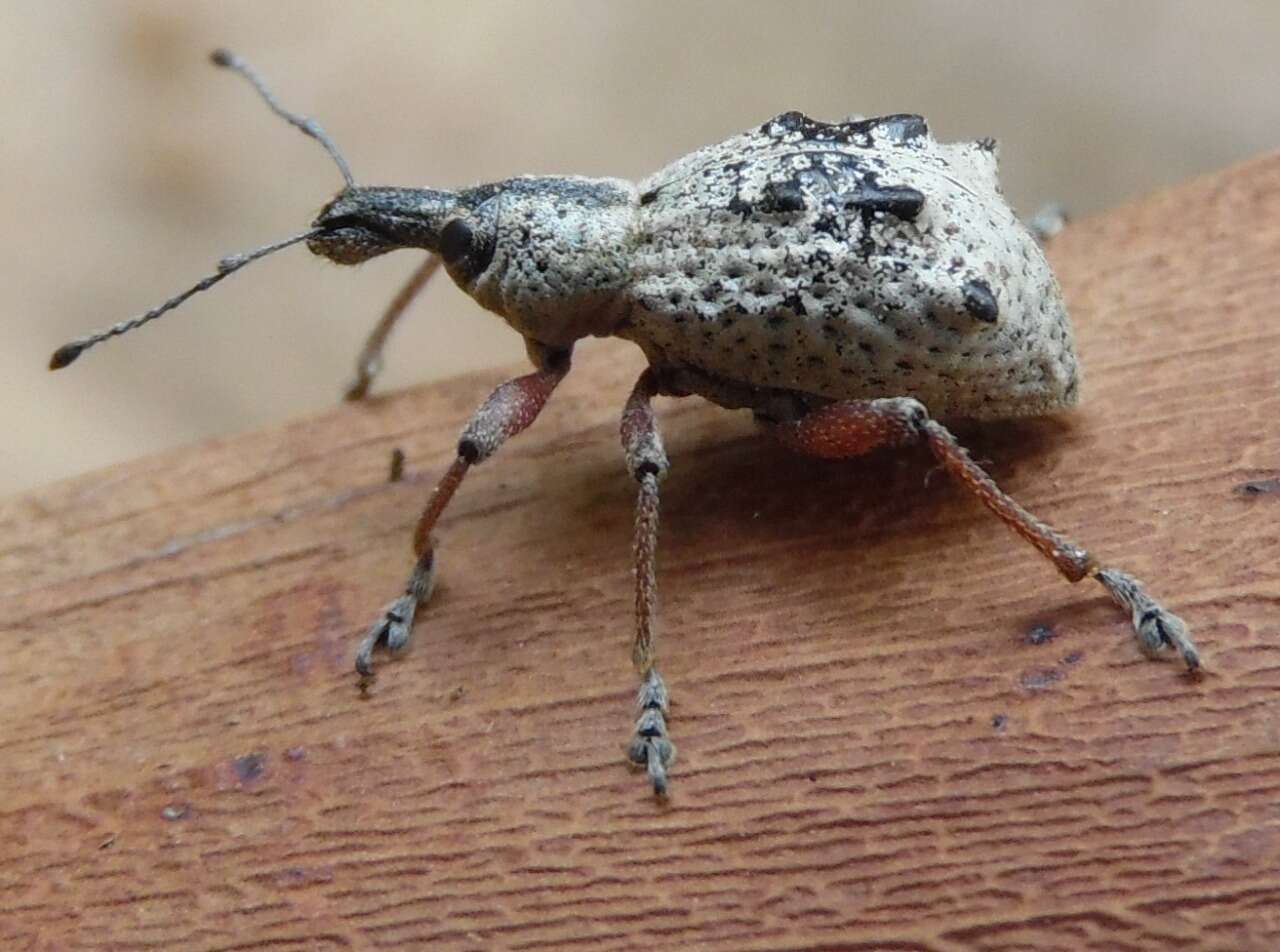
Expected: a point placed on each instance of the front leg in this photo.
(647, 462)
(858, 426)
(509, 409)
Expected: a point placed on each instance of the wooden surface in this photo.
(898, 728)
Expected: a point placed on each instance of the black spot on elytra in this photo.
(901, 127)
(831, 225)
(813, 130)
(782, 197)
(739, 205)
(900, 201)
(980, 302)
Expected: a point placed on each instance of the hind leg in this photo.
(855, 427)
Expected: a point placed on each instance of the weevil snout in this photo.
(363, 222)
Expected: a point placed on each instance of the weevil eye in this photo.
(466, 251)
(455, 240)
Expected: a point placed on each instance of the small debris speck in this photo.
(1074, 657)
(397, 466)
(1041, 634)
(999, 721)
(1040, 678)
(248, 767)
(175, 811)
(1258, 487)
(295, 753)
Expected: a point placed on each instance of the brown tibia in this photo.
(650, 747)
(509, 409)
(855, 427)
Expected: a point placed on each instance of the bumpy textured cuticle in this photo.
(789, 258)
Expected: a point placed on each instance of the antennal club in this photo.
(309, 126)
(228, 265)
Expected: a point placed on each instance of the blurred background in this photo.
(131, 165)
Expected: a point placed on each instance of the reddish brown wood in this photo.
(899, 728)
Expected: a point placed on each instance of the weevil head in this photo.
(548, 254)
(363, 222)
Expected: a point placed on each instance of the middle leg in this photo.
(650, 747)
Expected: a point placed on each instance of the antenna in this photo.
(309, 126)
(228, 265)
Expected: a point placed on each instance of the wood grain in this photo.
(898, 728)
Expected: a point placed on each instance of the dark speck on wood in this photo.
(1258, 487)
(1041, 634)
(249, 767)
(1040, 679)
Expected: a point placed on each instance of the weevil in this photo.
(850, 283)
